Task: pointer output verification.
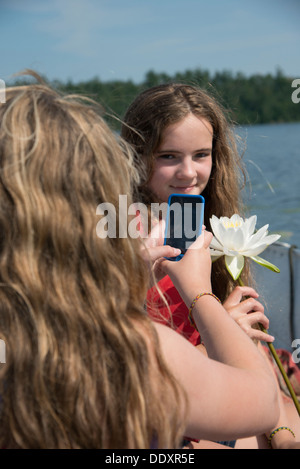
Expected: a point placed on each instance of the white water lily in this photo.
(235, 238)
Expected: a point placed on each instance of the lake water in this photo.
(272, 159)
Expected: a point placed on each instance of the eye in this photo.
(166, 156)
(202, 154)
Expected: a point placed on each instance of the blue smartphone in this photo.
(184, 221)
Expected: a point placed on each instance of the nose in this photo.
(186, 169)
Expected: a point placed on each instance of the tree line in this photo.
(256, 99)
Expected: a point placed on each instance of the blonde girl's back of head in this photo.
(77, 373)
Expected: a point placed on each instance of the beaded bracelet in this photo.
(278, 430)
(192, 322)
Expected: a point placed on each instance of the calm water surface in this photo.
(272, 159)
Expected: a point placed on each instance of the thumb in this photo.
(157, 252)
(203, 240)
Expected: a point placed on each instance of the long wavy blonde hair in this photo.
(78, 370)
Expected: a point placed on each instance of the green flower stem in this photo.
(283, 373)
(279, 364)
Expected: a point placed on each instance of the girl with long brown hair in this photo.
(184, 142)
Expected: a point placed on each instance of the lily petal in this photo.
(215, 254)
(215, 244)
(260, 234)
(215, 226)
(251, 223)
(228, 237)
(240, 238)
(236, 220)
(234, 265)
(230, 252)
(260, 247)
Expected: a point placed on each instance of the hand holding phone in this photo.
(184, 221)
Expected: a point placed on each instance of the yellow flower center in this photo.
(231, 224)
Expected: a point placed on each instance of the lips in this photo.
(183, 188)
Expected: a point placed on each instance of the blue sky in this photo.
(123, 39)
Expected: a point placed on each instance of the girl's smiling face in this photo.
(184, 159)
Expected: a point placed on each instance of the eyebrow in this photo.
(209, 149)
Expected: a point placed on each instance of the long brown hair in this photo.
(144, 124)
(78, 370)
